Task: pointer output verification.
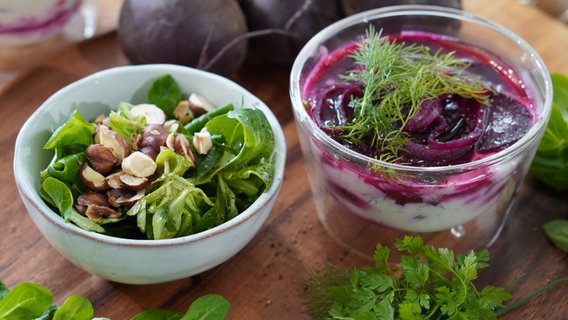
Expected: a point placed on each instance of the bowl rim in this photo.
(29, 192)
(365, 17)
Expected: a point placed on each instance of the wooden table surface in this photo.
(265, 279)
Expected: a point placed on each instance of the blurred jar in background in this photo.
(33, 29)
(24, 22)
(556, 8)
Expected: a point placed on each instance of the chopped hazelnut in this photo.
(93, 179)
(202, 141)
(171, 141)
(97, 212)
(153, 138)
(124, 197)
(139, 164)
(91, 197)
(182, 112)
(171, 126)
(132, 182)
(101, 157)
(181, 146)
(152, 113)
(123, 180)
(113, 180)
(150, 152)
(88, 198)
(114, 140)
(199, 105)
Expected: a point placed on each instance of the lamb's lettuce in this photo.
(166, 94)
(69, 142)
(59, 195)
(238, 170)
(126, 124)
(187, 196)
(75, 132)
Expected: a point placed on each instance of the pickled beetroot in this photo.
(449, 129)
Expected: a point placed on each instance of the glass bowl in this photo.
(362, 201)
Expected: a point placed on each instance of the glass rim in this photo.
(365, 17)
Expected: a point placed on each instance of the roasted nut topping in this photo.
(153, 138)
(123, 180)
(199, 105)
(96, 212)
(124, 197)
(171, 141)
(182, 112)
(152, 113)
(132, 182)
(139, 164)
(181, 146)
(150, 152)
(88, 198)
(202, 141)
(113, 180)
(94, 180)
(101, 157)
(114, 140)
(171, 126)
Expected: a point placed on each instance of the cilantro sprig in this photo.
(428, 283)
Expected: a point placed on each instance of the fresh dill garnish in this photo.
(396, 79)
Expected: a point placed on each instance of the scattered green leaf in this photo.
(33, 301)
(76, 308)
(25, 301)
(557, 232)
(550, 164)
(208, 307)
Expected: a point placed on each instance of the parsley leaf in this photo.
(427, 283)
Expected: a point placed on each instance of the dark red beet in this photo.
(301, 18)
(186, 32)
(354, 6)
(449, 129)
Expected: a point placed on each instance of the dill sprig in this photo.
(397, 78)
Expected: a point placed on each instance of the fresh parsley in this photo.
(427, 283)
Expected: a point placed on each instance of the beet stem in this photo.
(208, 64)
(303, 9)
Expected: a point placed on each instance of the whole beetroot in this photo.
(299, 19)
(194, 33)
(354, 6)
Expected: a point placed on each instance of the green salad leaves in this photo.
(32, 301)
(190, 190)
(557, 233)
(550, 164)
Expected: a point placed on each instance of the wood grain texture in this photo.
(265, 280)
